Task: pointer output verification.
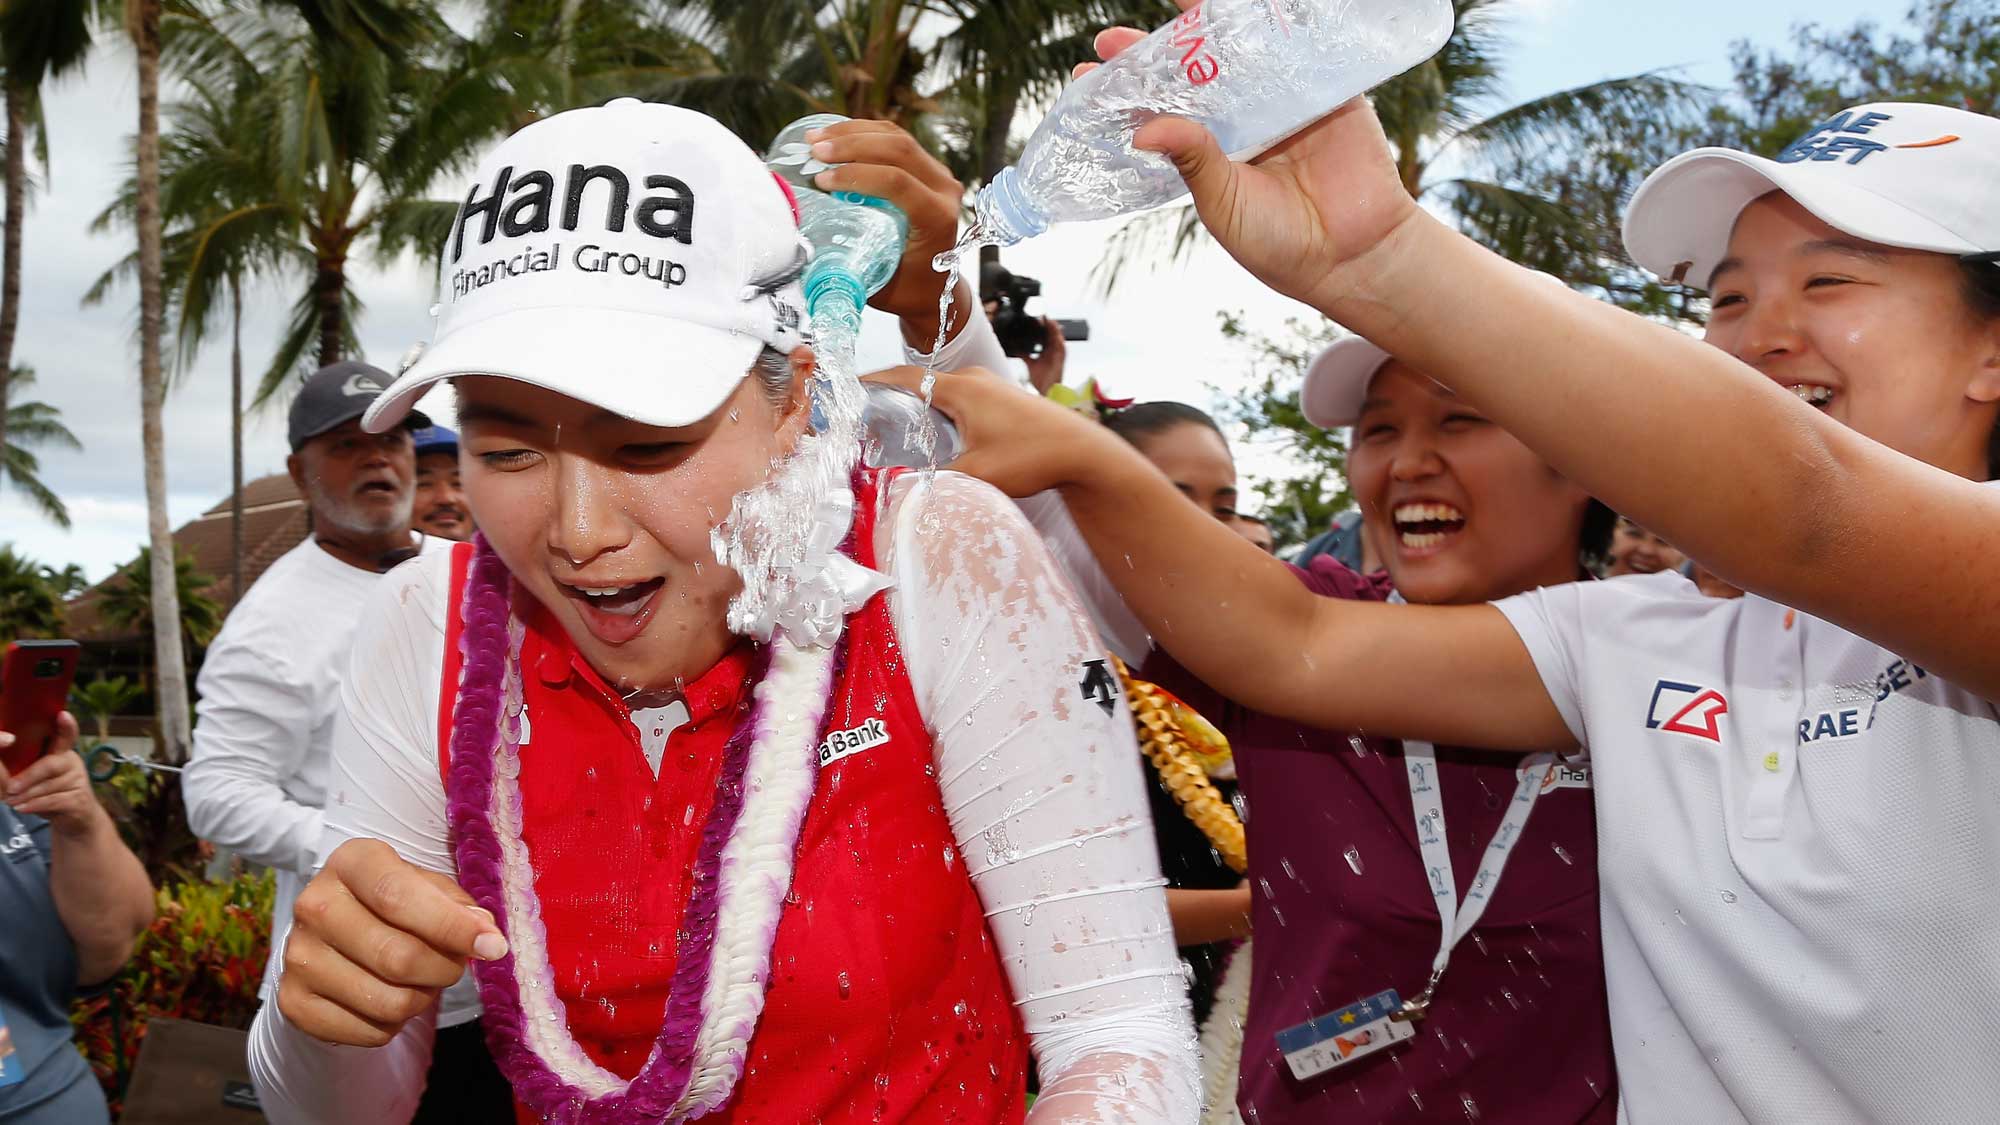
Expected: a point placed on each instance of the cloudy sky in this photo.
(1155, 337)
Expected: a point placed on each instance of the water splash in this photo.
(949, 263)
(1353, 857)
(779, 534)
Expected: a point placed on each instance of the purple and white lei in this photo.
(741, 876)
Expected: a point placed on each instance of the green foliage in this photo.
(202, 959)
(1946, 51)
(126, 601)
(30, 605)
(1266, 404)
(32, 424)
(102, 700)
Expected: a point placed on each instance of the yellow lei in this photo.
(1162, 724)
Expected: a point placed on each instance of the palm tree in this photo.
(31, 423)
(1556, 166)
(142, 23)
(102, 700)
(39, 39)
(316, 128)
(211, 242)
(67, 582)
(126, 601)
(29, 605)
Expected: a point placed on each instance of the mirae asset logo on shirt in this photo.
(1687, 709)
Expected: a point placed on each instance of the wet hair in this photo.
(773, 371)
(1151, 419)
(1982, 297)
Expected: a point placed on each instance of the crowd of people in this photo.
(1627, 756)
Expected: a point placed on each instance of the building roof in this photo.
(274, 521)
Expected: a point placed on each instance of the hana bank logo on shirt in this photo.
(842, 743)
(19, 847)
(1687, 709)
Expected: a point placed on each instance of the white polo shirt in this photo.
(1799, 850)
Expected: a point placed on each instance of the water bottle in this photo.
(1253, 71)
(856, 239)
(891, 423)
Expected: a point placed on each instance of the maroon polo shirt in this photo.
(1518, 1030)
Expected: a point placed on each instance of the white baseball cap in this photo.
(1921, 177)
(1336, 384)
(634, 256)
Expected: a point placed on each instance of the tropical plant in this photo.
(1300, 504)
(29, 604)
(31, 423)
(1946, 51)
(39, 39)
(312, 130)
(1540, 182)
(202, 959)
(126, 600)
(102, 700)
(68, 582)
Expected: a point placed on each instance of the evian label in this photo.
(1189, 35)
(844, 743)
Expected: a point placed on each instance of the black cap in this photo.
(336, 394)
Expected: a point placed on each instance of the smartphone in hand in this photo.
(35, 678)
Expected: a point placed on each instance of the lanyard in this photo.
(1457, 919)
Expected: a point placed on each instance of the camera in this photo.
(1021, 333)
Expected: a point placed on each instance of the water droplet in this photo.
(1679, 918)
(950, 857)
(1360, 747)
(1479, 941)
(1414, 1098)
(1285, 864)
(1353, 856)
(1729, 896)
(846, 987)
(1563, 855)
(1471, 1107)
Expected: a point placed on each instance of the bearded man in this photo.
(270, 686)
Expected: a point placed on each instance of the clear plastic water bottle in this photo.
(891, 423)
(1253, 71)
(856, 239)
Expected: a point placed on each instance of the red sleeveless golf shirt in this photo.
(887, 1000)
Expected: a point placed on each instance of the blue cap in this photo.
(435, 439)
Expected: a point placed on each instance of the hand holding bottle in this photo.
(881, 159)
(1018, 442)
(1316, 201)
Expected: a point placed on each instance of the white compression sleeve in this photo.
(383, 784)
(1041, 780)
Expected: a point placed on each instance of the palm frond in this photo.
(22, 471)
(301, 334)
(1166, 234)
(1600, 108)
(420, 225)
